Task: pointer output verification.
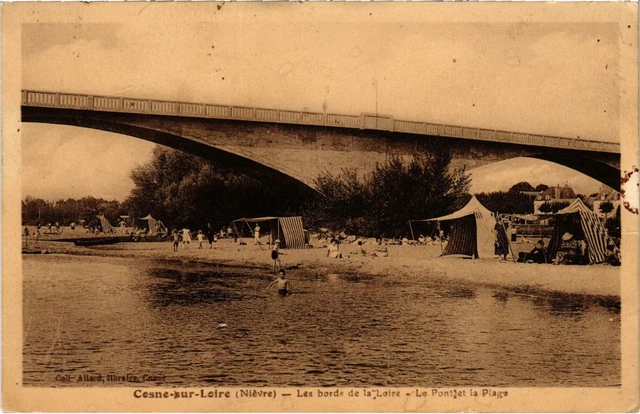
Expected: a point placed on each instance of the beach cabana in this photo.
(105, 224)
(472, 230)
(288, 230)
(583, 224)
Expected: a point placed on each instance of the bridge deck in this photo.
(362, 121)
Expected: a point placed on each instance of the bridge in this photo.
(296, 146)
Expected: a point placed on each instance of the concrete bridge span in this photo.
(297, 146)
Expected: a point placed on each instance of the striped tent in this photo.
(584, 224)
(105, 224)
(288, 230)
(472, 231)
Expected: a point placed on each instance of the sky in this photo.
(529, 75)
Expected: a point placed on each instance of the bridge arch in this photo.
(295, 154)
(605, 173)
(229, 160)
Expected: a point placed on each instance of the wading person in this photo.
(284, 286)
(275, 255)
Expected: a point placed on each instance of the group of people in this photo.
(576, 251)
(380, 250)
(438, 238)
(571, 251)
(184, 236)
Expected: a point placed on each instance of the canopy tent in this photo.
(288, 230)
(583, 224)
(151, 223)
(106, 226)
(471, 230)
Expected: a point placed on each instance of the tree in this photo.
(385, 200)
(553, 207)
(521, 186)
(542, 187)
(184, 190)
(606, 207)
(507, 202)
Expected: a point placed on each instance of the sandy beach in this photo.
(404, 261)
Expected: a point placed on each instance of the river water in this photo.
(118, 320)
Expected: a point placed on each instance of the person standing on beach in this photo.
(210, 235)
(200, 237)
(186, 238)
(176, 240)
(284, 287)
(232, 233)
(502, 242)
(256, 234)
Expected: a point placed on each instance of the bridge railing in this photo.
(362, 121)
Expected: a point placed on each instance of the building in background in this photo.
(553, 195)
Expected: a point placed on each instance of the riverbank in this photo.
(404, 261)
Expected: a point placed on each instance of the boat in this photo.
(96, 241)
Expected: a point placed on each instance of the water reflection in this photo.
(194, 288)
(203, 325)
(457, 293)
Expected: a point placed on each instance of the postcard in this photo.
(293, 207)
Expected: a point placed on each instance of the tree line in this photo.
(65, 212)
(184, 190)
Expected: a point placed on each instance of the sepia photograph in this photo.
(320, 207)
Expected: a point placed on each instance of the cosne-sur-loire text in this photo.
(373, 393)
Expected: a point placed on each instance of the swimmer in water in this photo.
(284, 286)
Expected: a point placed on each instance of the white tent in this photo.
(472, 230)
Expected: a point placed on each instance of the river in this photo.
(114, 321)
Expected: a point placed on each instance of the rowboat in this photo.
(97, 241)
